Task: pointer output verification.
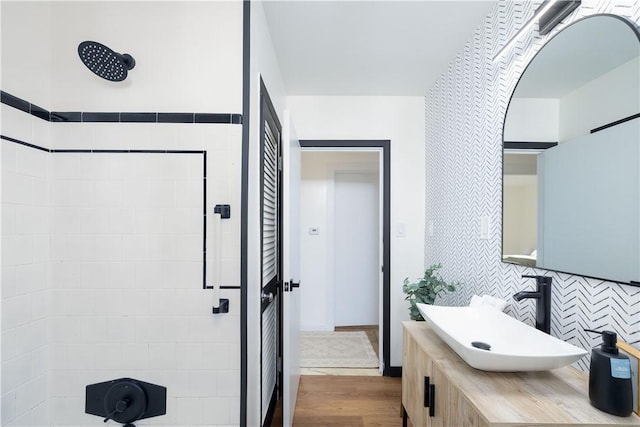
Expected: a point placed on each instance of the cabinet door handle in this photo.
(432, 400)
(427, 389)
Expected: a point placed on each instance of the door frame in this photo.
(385, 145)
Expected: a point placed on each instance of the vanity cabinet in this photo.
(459, 395)
(416, 375)
(451, 406)
(428, 397)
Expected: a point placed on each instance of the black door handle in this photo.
(426, 399)
(294, 284)
(432, 400)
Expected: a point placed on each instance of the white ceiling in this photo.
(369, 47)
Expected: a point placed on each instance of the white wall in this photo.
(124, 273)
(612, 96)
(188, 56)
(26, 50)
(519, 125)
(399, 119)
(263, 64)
(316, 256)
(25, 284)
(575, 114)
(127, 275)
(125, 270)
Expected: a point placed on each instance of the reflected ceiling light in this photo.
(544, 7)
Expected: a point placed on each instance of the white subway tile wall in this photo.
(102, 269)
(25, 293)
(464, 114)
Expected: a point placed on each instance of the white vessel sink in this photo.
(514, 346)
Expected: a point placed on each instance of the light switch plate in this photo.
(485, 227)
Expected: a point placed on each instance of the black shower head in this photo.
(104, 62)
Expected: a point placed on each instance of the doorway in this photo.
(365, 184)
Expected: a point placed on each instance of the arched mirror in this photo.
(571, 157)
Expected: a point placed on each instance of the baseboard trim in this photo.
(394, 371)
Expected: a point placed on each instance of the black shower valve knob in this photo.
(125, 400)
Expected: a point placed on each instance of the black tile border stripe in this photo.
(101, 151)
(528, 145)
(204, 222)
(217, 118)
(617, 122)
(66, 116)
(15, 102)
(117, 117)
(101, 117)
(26, 144)
(176, 117)
(40, 112)
(138, 117)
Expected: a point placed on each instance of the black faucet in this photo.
(542, 295)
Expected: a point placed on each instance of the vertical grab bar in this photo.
(219, 212)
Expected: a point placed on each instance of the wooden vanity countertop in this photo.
(555, 397)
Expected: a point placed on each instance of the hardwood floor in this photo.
(348, 402)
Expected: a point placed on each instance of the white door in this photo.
(291, 269)
(356, 242)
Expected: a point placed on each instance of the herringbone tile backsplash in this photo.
(464, 115)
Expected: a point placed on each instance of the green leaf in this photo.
(426, 289)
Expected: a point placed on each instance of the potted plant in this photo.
(426, 290)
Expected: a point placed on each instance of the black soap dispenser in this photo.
(610, 388)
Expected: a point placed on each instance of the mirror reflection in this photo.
(571, 180)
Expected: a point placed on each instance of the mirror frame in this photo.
(635, 28)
